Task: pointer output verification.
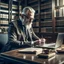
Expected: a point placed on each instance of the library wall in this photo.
(46, 16)
(59, 15)
(43, 17)
(8, 10)
(49, 16)
(36, 23)
(3, 16)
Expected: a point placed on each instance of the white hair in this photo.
(26, 9)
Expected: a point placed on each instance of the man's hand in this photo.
(40, 41)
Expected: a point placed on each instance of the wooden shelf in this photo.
(44, 16)
(47, 3)
(45, 13)
(6, 12)
(59, 19)
(57, 7)
(32, 1)
(35, 4)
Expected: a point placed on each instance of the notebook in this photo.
(45, 55)
(30, 50)
(53, 45)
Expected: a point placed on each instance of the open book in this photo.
(31, 50)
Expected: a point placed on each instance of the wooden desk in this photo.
(14, 57)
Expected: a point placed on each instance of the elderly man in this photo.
(20, 31)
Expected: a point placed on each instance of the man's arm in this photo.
(34, 35)
(38, 40)
(12, 36)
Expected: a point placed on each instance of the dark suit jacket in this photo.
(16, 34)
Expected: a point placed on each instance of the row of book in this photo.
(59, 12)
(59, 2)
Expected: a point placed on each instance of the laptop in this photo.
(53, 45)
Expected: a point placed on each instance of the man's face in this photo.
(29, 17)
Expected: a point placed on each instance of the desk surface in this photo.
(32, 58)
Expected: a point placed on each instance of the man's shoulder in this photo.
(14, 22)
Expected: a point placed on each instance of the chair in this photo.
(3, 39)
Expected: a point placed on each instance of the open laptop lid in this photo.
(59, 41)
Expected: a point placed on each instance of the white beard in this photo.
(28, 26)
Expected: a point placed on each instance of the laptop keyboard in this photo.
(47, 45)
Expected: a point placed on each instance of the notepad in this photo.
(31, 50)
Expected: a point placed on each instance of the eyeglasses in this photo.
(29, 17)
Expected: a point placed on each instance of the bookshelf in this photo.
(3, 16)
(46, 16)
(13, 9)
(49, 15)
(44, 23)
(35, 4)
(59, 15)
(8, 10)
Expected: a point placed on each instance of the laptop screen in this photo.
(54, 44)
(51, 38)
(59, 40)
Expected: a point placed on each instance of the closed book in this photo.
(31, 50)
(46, 55)
(60, 51)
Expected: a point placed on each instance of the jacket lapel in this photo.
(19, 27)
